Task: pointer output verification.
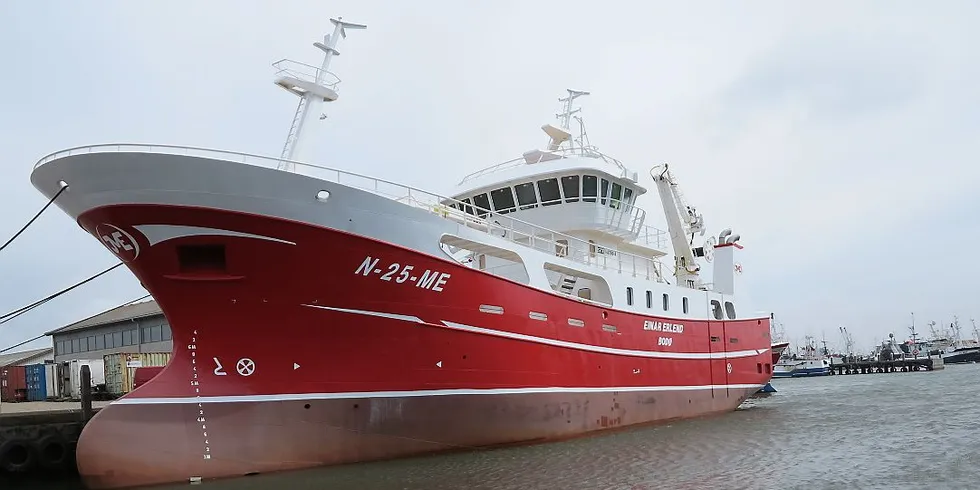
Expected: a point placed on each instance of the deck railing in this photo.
(306, 73)
(502, 226)
(651, 237)
(588, 151)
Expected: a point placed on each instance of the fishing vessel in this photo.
(960, 350)
(811, 362)
(321, 316)
(947, 343)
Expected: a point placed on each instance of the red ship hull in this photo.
(314, 358)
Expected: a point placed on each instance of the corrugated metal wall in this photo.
(13, 384)
(120, 369)
(37, 383)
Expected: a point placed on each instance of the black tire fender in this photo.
(17, 455)
(52, 451)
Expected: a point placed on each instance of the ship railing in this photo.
(499, 225)
(651, 237)
(586, 151)
(306, 73)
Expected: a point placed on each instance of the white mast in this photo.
(557, 136)
(314, 86)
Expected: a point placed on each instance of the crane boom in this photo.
(682, 220)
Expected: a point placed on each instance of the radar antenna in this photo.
(314, 86)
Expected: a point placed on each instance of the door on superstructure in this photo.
(718, 341)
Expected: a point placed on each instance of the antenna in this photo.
(566, 115)
(314, 86)
(558, 136)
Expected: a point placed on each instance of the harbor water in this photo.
(868, 431)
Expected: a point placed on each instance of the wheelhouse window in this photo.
(627, 195)
(617, 194)
(548, 190)
(469, 208)
(503, 200)
(482, 203)
(604, 191)
(525, 195)
(569, 185)
(590, 187)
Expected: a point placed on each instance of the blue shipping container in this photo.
(37, 383)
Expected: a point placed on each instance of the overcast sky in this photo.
(839, 140)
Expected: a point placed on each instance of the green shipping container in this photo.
(120, 369)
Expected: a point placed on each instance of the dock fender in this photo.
(52, 451)
(17, 455)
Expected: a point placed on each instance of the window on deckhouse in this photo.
(569, 185)
(590, 186)
(617, 194)
(525, 195)
(503, 200)
(482, 203)
(548, 189)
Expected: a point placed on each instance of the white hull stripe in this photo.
(393, 316)
(161, 233)
(418, 393)
(554, 342)
(606, 350)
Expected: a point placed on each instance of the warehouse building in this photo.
(27, 357)
(132, 328)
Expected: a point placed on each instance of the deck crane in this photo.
(848, 340)
(684, 220)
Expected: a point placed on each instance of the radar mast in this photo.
(314, 86)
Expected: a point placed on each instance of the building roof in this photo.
(120, 313)
(18, 357)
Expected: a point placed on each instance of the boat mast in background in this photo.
(314, 86)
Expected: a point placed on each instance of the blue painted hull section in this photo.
(803, 373)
